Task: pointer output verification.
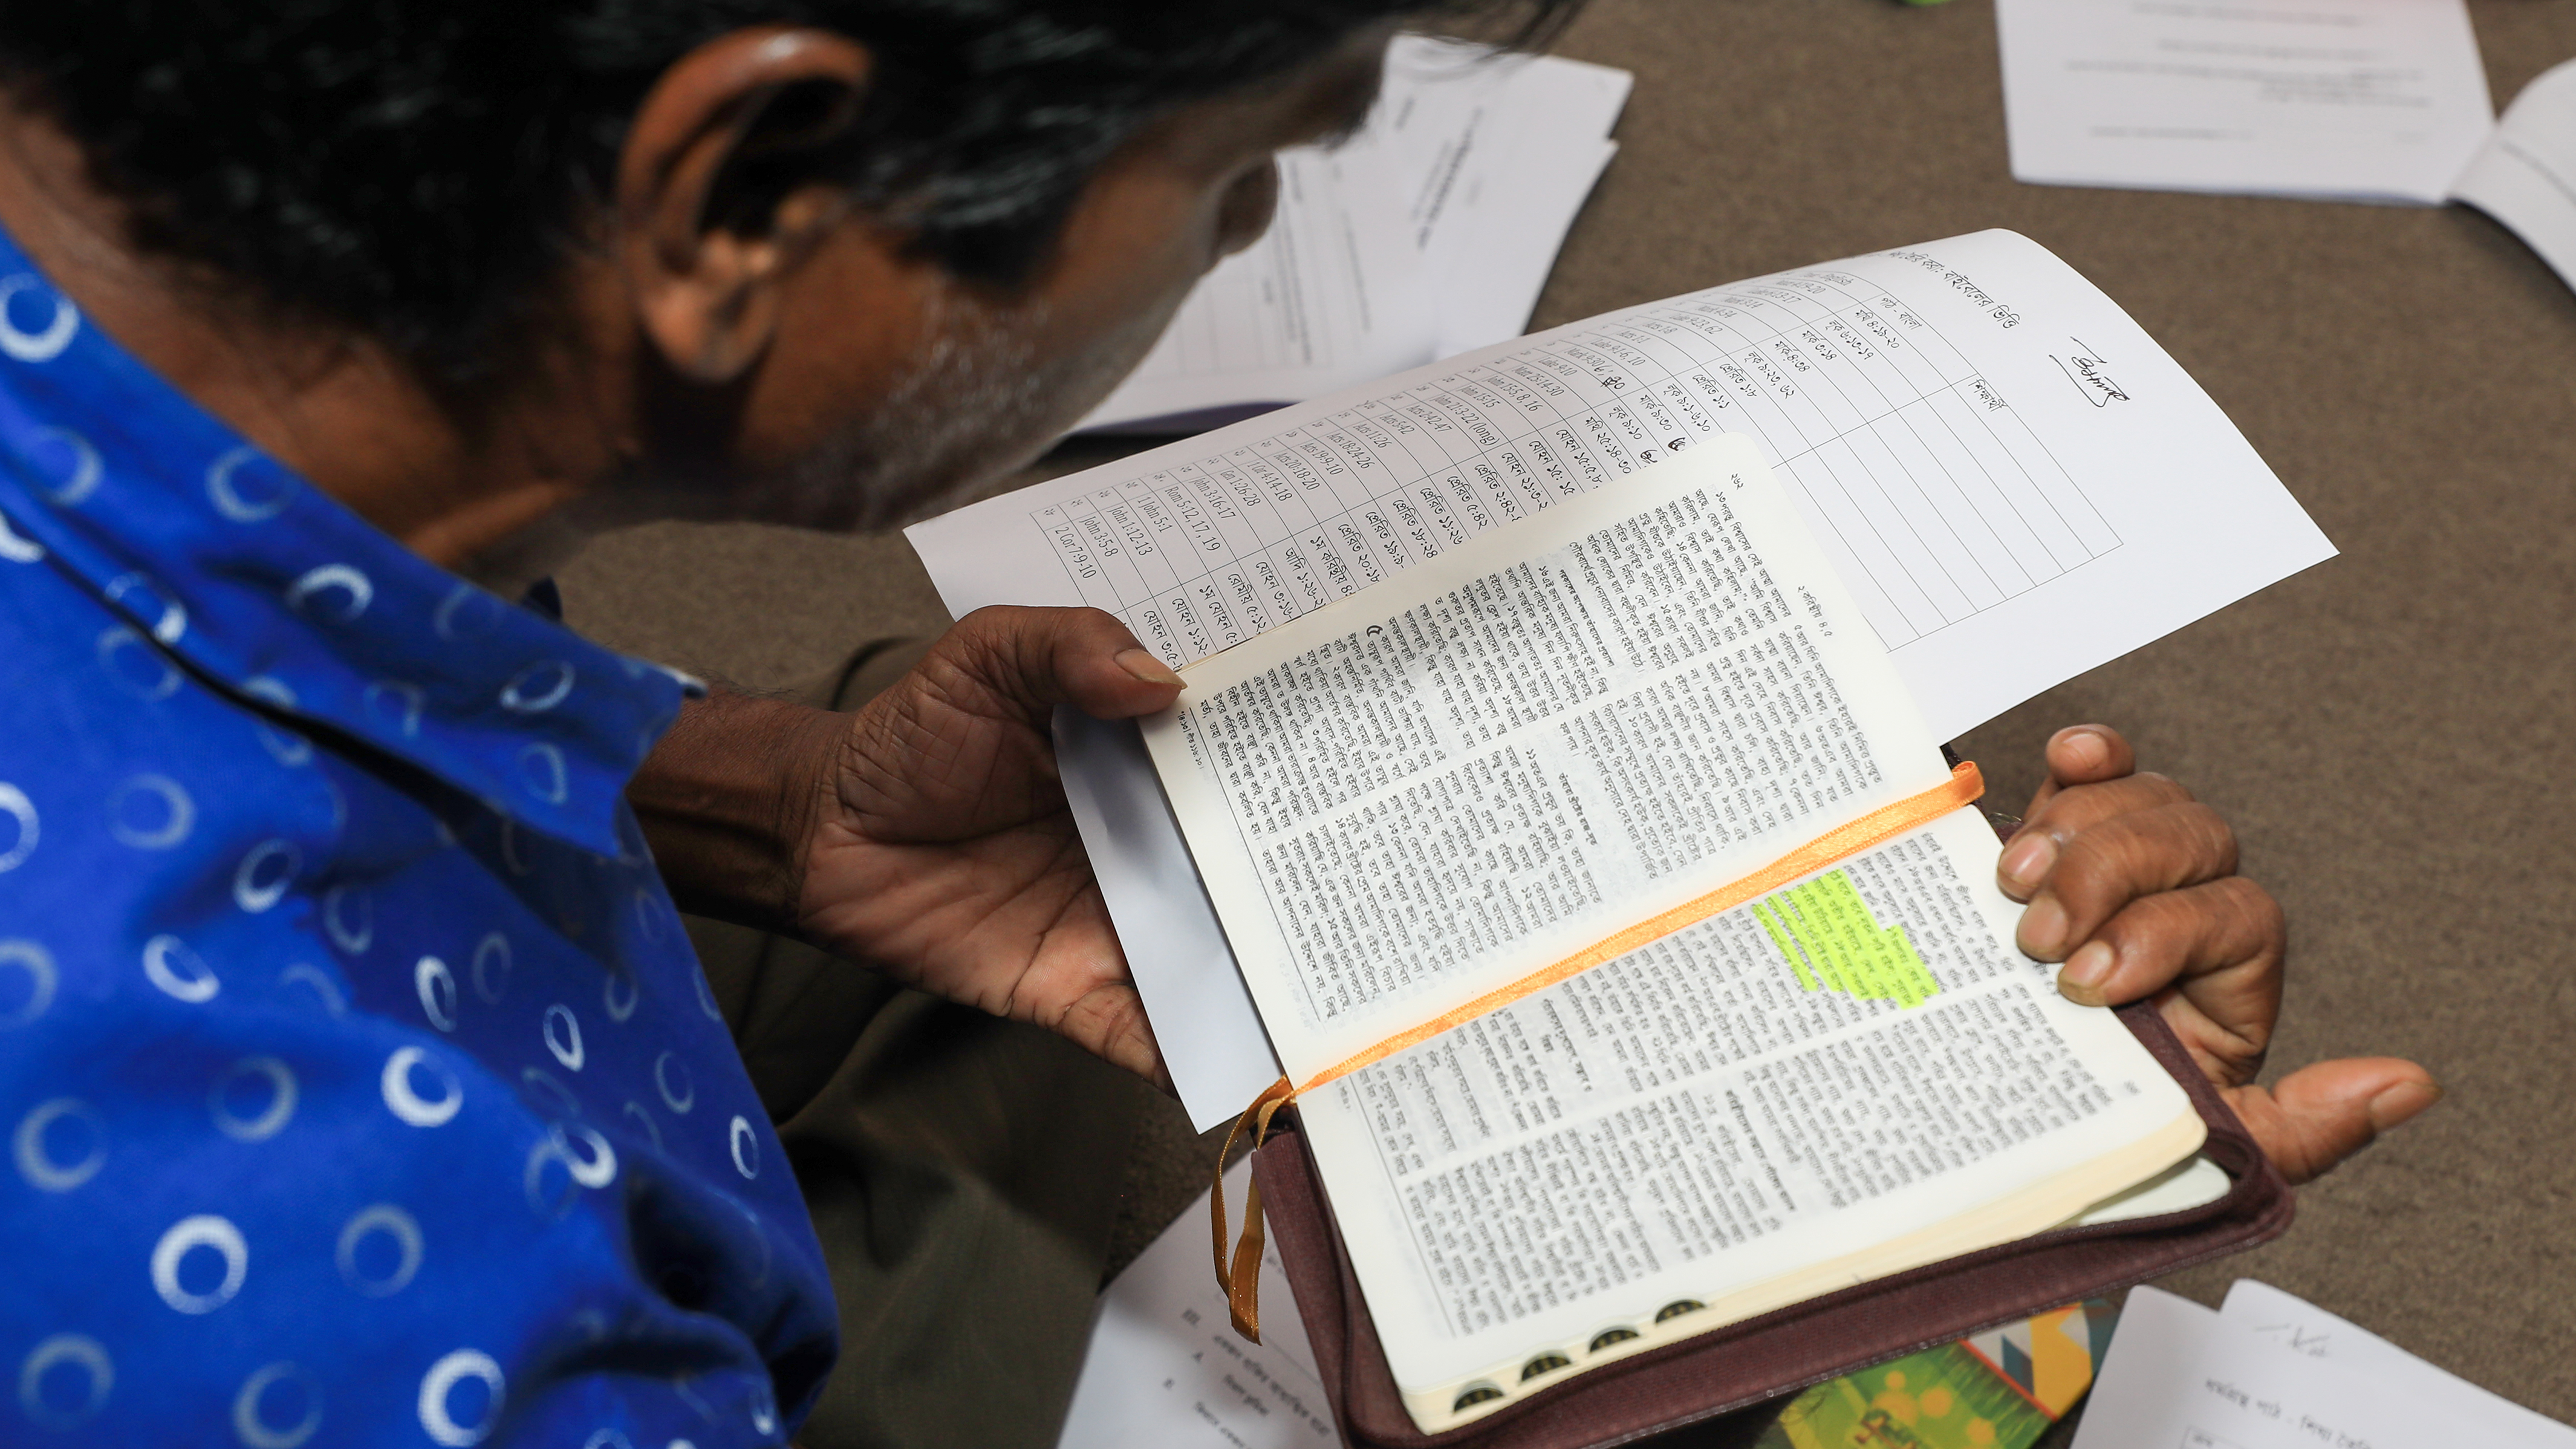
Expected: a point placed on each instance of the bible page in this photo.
(2013, 480)
(1854, 1075)
(1547, 736)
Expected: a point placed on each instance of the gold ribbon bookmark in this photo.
(1242, 1278)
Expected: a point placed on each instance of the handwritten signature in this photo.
(2085, 370)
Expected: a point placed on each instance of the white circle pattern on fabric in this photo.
(80, 1351)
(510, 848)
(437, 987)
(538, 688)
(566, 1044)
(648, 915)
(599, 1169)
(607, 1439)
(334, 1001)
(406, 700)
(179, 971)
(706, 993)
(112, 646)
(594, 1168)
(254, 1430)
(408, 1104)
(392, 1222)
(36, 1161)
(271, 1118)
(289, 748)
(652, 1128)
(468, 612)
(441, 1380)
(680, 1098)
(47, 342)
(187, 1235)
(764, 1406)
(619, 1011)
(543, 772)
(557, 1095)
(37, 965)
(15, 804)
(278, 861)
(223, 489)
(178, 813)
(335, 918)
(16, 547)
(355, 589)
(491, 950)
(173, 622)
(85, 474)
(746, 1148)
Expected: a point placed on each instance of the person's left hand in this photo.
(942, 851)
(2132, 883)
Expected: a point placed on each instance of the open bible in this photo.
(1635, 953)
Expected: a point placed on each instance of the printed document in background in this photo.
(2302, 1327)
(1166, 1368)
(2271, 1372)
(2365, 100)
(2525, 177)
(1429, 233)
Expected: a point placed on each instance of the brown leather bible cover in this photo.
(1779, 1352)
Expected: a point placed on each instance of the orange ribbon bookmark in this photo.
(1242, 1278)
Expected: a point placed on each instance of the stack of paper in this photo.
(2365, 100)
(2268, 1371)
(1428, 234)
(2348, 100)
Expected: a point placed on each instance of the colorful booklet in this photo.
(2001, 1389)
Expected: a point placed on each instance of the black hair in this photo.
(420, 169)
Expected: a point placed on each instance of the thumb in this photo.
(2319, 1115)
(1081, 657)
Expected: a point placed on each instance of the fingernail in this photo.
(2026, 861)
(2091, 750)
(1142, 664)
(2402, 1102)
(2042, 934)
(2086, 973)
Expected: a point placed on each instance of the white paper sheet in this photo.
(1166, 1369)
(1495, 158)
(2380, 100)
(2302, 1327)
(1431, 232)
(2179, 1376)
(2011, 477)
(2526, 175)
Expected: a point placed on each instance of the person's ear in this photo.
(717, 200)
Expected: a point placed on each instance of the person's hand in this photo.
(941, 850)
(2132, 884)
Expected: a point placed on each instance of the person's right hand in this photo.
(2132, 883)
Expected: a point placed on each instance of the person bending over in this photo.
(359, 1082)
